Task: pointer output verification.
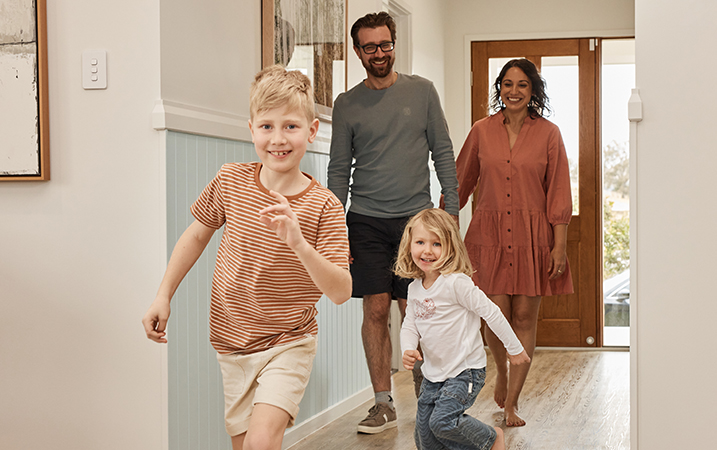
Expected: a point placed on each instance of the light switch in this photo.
(94, 69)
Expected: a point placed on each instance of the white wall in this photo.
(80, 255)
(428, 42)
(210, 53)
(676, 219)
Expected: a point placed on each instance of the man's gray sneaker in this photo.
(380, 417)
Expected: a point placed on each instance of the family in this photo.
(285, 244)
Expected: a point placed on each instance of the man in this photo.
(389, 124)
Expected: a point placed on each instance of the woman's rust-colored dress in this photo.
(522, 193)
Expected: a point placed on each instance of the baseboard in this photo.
(325, 417)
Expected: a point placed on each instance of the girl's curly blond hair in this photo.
(454, 256)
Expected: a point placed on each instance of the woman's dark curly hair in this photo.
(539, 104)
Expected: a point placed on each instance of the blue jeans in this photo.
(441, 422)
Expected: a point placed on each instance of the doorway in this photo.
(571, 69)
(617, 78)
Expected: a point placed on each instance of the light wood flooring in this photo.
(572, 400)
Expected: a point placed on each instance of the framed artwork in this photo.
(309, 36)
(24, 140)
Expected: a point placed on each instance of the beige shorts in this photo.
(277, 376)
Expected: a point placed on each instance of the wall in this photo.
(80, 255)
(428, 42)
(210, 52)
(676, 219)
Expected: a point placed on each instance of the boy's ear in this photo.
(313, 130)
(251, 129)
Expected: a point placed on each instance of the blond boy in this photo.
(284, 245)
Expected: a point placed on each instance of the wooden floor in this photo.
(572, 400)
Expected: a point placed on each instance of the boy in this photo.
(284, 244)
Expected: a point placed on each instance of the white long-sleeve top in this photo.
(445, 320)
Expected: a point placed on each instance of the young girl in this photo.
(443, 315)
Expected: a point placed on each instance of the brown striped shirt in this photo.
(262, 295)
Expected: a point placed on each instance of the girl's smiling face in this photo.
(426, 249)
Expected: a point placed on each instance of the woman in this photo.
(518, 234)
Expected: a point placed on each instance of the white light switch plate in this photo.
(94, 69)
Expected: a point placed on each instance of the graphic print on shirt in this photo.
(425, 309)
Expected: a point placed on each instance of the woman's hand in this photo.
(558, 263)
(558, 256)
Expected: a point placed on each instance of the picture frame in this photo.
(309, 36)
(24, 104)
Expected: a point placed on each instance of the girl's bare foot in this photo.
(501, 389)
(499, 443)
(512, 419)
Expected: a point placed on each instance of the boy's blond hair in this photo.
(276, 87)
(454, 256)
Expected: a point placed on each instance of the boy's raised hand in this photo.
(283, 221)
(520, 358)
(410, 357)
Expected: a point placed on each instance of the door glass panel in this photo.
(618, 78)
(561, 76)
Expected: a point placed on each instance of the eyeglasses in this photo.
(370, 49)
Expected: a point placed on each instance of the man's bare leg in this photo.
(377, 340)
(377, 346)
(402, 302)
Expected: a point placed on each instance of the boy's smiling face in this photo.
(280, 137)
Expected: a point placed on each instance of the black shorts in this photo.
(374, 246)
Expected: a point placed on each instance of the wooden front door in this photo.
(570, 67)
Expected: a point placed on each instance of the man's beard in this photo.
(380, 71)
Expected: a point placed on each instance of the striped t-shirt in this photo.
(262, 296)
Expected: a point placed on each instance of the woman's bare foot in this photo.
(512, 419)
(499, 443)
(501, 389)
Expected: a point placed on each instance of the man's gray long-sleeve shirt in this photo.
(390, 134)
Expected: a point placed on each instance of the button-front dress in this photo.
(521, 193)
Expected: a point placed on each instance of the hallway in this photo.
(572, 400)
